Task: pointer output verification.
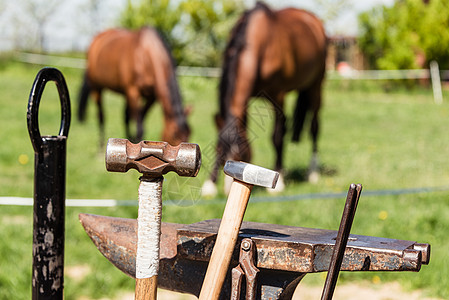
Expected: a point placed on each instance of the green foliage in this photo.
(435, 43)
(160, 14)
(196, 30)
(398, 37)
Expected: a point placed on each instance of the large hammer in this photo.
(152, 159)
(245, 177)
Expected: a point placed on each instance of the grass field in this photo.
(385, 141)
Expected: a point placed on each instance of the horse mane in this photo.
(232, 52)
(173, 87)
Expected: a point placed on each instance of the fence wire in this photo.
(21, 201)
(352, 74)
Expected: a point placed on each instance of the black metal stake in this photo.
(347, 218)
(49, 191)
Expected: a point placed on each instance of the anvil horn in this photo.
(116, 239)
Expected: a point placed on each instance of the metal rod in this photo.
(49, 191)
(342, 239)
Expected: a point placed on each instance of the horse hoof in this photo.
(280, 186)
(314, 177)
(209, 189)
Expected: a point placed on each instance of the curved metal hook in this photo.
(45, 75)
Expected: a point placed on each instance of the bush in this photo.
(196, 30)
(407, 35)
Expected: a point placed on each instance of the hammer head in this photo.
(251, 174)
(153, 159)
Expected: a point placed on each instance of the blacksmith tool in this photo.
(341, 241)
(245, 176)
(152, 159)
(49, 190)
(246, 268)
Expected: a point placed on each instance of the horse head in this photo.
(176, 129)
(233, 140)
(175, 132)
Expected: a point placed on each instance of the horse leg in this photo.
(133, 112)
(315, 94)
(209, 188)
(313, 173)
(232, 144)
(98, 100)
(278, 141)
(149, 100)
(127, 118)
(302, 106)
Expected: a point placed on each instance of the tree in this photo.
(196, 30)
(435, 35)
(398, 37)
(330, 11)
(40, 12)
(208, 24)
(92, 10)
(160, 14)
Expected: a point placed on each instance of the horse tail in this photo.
(82, 99)
(302, 106)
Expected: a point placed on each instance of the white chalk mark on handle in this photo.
(149, 227)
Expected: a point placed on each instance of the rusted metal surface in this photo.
(305, 250)
(247, 269)
(284, 253)
(153, 158)
(347, 218)
(49, 190)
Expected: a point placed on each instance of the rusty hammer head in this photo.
(251, 174)
(153, 159)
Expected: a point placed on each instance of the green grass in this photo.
(383, 140)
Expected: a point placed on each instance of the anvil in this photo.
(284, 254)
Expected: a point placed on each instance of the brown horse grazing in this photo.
(269, 53)
(138, 65)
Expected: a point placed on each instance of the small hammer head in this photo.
(153, 159)
(251, 174)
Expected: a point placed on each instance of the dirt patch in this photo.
(78, 272)
(15, 220)
(388, 291)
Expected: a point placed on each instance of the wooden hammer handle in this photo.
(146, 288)
(226, 240)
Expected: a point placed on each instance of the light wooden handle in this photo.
(146, 288)
(226, 240)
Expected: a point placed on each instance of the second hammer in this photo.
(152, 159)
